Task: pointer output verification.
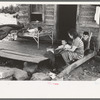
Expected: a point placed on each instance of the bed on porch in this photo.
(47, 30)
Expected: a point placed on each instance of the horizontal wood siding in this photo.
(49, 14)
(86, 13)
(86, 20)
(24, 13)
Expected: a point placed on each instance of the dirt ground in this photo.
(89, 71)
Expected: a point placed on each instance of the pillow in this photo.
(33, 30)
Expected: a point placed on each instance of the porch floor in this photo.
(25, 46)
(28, 48)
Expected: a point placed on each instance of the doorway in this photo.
(66, 19)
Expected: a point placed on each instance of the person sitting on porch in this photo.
(89, 45)
(77, 48)
(73, 52)
(63, 46)
(52, 53)
(59, 48)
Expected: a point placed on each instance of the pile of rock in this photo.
(36, 76)
(29, 72)
(6, 73)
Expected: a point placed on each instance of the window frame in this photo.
(37, 12)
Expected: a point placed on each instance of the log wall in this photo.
(50, 16)
(85, 19)
(49, 13)
(24, 11)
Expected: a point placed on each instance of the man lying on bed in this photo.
(33, 32)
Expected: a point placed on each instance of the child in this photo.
(85, 39)
(52, 54)
(62, 47)
(89, 45)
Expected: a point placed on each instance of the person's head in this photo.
(63, 42)
(39, 29)
(72, 34)
(50, 48)
(85, 35)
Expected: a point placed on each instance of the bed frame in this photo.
(46, 31)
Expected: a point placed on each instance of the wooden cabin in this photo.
(61, 17)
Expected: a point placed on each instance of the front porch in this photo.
(26, 46)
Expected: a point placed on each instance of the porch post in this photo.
(99, 34)
(77, 17)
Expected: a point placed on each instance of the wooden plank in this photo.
(49, 17)
(49, 22)
(22, 56)
(23, 16)
(87, 19)
(87, 13)
(71, 67)
(99, 35)
(88, 25)
(49, 8)
(88, 7)
(86, 16)
(49, 13)
(78, 18)
(23, 5)
(50, 5)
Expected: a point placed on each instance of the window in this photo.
(36, 13)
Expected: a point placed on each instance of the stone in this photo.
(7, 78)
(6, 72)
(30, 67)
(20, 74)
(40, 77)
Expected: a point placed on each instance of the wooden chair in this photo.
(90, 35)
